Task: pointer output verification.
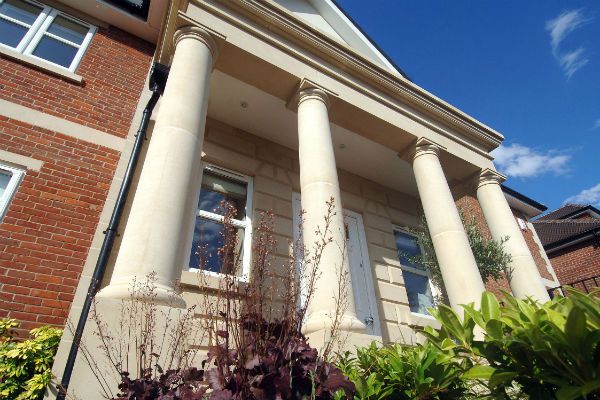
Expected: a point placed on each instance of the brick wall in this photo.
(470, 207)
(114, 69)
(48, 229)
(576, 262)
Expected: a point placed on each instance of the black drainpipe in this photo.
(158, 79)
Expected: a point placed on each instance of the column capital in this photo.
(488, 176)
(420, 147)
(197, 33)
(307, 90)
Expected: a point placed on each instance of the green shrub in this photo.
(25, 367)
(404, 372)
(544, 351)
(520, 350)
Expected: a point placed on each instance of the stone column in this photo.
(461, 276)
(165, 193)
(526, 280)
(318, 184)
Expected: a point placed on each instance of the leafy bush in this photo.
(520, 350)
(544, 351)
(404, 372)
(25, 367)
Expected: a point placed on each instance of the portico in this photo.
(162, 209)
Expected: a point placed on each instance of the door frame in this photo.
(365, 259)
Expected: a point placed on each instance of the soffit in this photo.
(268, 117)
(147, 30)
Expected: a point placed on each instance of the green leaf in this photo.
(490, 308)
(575, 328)
(479, 372)
(501, 377)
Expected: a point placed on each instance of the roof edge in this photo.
(527, 200)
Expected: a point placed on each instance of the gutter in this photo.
(158, 78)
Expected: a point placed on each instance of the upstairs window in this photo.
(45, 33)
(416, 277)
(10, 178)
(219, 185)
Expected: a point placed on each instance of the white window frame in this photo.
(416, 271)
(245, 224)
(16, 177)
(39, 29)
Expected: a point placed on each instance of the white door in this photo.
(360, 267)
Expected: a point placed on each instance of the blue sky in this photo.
(529, 69)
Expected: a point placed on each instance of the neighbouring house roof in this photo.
(556, 232)
(568, 211)
(563, 226)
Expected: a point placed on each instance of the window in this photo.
(416, 278)
(36, 30)
(9, 180)
(219, 185)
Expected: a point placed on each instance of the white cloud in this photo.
(559, 28)
(587, 196)
(519, 161)
(597, 123)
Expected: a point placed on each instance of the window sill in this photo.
(41, 65)
(191, 278)
(423, 320)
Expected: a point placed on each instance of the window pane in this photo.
(11, 34)
(54, 51)
(419, 292)
(208, 239)
(408, 247)
(4, 179)
(67, 29)
(216, 188)
(20, 10)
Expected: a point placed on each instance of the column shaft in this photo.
(525, 278)
(319, 183)
(459, 270)
(165, 194)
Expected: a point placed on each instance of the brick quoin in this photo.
(576, 262)
(114, 70)
(50, 223)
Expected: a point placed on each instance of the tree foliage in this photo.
(490, 256)
(25, 367)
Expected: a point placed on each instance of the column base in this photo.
(349, 342)
(322, 321)
(161, 293)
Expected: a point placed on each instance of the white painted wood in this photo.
(16, 175)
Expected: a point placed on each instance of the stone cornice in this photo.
(278, 18)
